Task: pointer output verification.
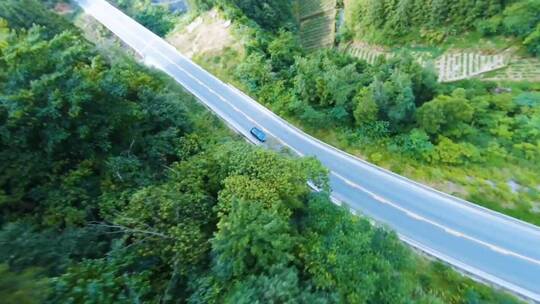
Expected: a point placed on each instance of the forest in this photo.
(391, 21)
(156, 18)
(269, 14)
(117, 187)
(399, 107)
(475, 139)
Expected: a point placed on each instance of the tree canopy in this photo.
(118, 188)
(433, 21)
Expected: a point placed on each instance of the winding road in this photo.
(484, 244)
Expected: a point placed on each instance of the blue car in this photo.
(259, 135)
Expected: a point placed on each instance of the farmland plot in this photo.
(519, 69)
(449, 67)
(458, 66)
(319, 31)
(317, 23)
(313, 7)
(367, 52)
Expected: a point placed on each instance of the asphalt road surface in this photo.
(482, 243)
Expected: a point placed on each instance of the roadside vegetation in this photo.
(157, 18)
(117, 187)
(475, 139)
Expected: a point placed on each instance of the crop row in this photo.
(312, 7)
(318, 31)
(449, 67)
(518, 70)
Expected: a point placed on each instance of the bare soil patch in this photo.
(209, 34)
(63, 8)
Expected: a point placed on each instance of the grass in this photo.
(487, 185)
(222, 64)
(473, 40)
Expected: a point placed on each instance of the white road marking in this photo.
(433, 223)
(336, 153)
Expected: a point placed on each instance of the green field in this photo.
(319, 31)
(317, 23)
(460, 64)
(312, 7)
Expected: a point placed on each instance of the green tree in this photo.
(521, 17)
(452, 153)
(449, 115)
(327, 83)
(203, 5)
(255, 72)
(4, 33)
(156, 18)
(283, 51)
(416, 144)
(113, 280)
(345, 255)
(24, 246)
(22, 288)
(269, 14)
(172, 221)
(23, 14)
(366, 111)
(250, 240)
(532, 41)
(68, 113)
(281, 285)
(394, 98)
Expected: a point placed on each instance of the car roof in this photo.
(259, 132)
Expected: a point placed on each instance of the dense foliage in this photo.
(25, 13)
(388, 21)
(520, 19)
(117, 188)
(156, 18)
(396, 106)
(267, 14)
(333, 89)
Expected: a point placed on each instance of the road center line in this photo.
(350, 183)
(433, 223)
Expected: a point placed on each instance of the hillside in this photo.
(405, 121)
(462, 39)
(119, 187)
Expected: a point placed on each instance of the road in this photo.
(482, 243)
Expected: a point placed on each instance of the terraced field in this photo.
(366, 52)
(458, 66)
(451, 66)
(317, 23)
(312, 7)
(318, 31)
(519, 69)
